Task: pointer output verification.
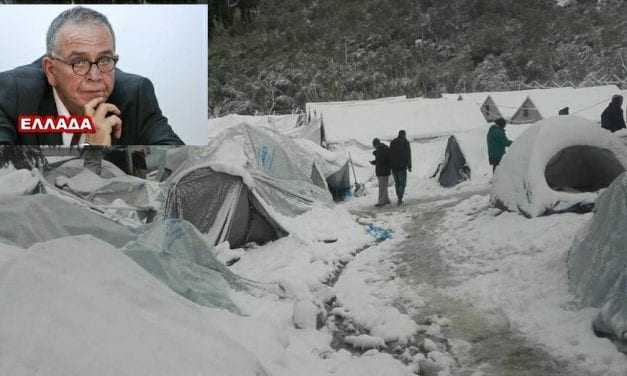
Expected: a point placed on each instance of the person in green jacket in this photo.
(497, 142)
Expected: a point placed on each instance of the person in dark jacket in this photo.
(497, 142)
(382, 170)
(612, 117)
(78, 76)
(400, 162)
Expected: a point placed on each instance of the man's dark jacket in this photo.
(612, 117)
(25, 90)
(400, 154)
(381, 160)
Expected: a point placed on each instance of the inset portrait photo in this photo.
(138, 73)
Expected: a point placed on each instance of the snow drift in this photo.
(557, 165)
(597, 263)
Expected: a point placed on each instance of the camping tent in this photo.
(469, 156)
(279, 123)
(597, 263)
(171, 250)
(454, 168)
(540, 104)
(483, 100)
(314, 109)
(235, 188)
(419, 117)
(334, 167)
(558, 164)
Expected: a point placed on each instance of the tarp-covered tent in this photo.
(78, 306)
(559, 164)
(489, 109)
(26, 220)
(110, 189)
(454, 168)
(314, 109)
(294, 126)
(172, 250)
(516, 105)
(223, 207)
(279, 123)
(419, 117)
(589, 102)
(543, 103)
(597, 263)
(234, 188)
(334, 166)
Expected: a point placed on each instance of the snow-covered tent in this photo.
(454, 168)
(597, 263)
(26, 220)
(314, 109)
(175, 253)
(559, 164)
(78, 306)
(279, 123)
(483, 100)
(419, 117)
(334, 167)
(108, 187)
(236, 187)
(541, 104)
(589, 102)
(172, 250)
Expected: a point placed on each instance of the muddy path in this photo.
(495, 348)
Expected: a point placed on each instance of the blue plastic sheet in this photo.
(379, 233)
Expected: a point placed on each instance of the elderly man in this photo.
(77, 76)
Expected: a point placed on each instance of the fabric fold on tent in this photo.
(597, 263)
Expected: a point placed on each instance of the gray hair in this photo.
(79, 16)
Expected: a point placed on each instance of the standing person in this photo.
(78, 76)
(400, 162)
(612, 117)
(497, 142)
(382, 170)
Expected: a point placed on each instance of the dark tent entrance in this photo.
(339, 183)
(582, 168)
(454, 169)
(223, 207)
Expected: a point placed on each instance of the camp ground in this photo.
(234, 258)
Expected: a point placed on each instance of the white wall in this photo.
(166, 43)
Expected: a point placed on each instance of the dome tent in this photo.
(597, 263)
(560, 164)
(235, 188)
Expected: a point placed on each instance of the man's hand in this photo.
(105, 125)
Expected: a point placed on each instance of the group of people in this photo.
(394, 160)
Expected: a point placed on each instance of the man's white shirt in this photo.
(63, 111)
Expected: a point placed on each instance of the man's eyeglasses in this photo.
(81, 67)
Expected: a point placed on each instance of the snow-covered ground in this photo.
(329, 299)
